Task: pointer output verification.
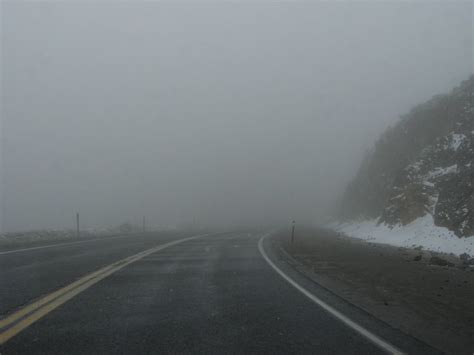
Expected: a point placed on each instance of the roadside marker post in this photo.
(77, 226)
(293, 232)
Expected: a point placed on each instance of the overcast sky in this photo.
(219, 113)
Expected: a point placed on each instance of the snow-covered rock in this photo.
(420, 174)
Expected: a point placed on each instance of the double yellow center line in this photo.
(23, 318)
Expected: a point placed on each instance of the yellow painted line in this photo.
(35, 311)
(30, 308)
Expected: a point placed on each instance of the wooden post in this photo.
(293, 232)
(77, 225)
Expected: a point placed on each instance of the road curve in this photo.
(213, 294)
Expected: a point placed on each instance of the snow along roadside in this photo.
(420, 233)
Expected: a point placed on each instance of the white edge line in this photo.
(359, 329)
(57, 245)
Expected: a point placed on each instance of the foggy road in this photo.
(355, 118)
(213, 293)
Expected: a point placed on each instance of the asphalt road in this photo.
(213, 294)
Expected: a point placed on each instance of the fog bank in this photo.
(209, 113)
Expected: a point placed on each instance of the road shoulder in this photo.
(433, 304)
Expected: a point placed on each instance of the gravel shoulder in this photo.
(397, 285)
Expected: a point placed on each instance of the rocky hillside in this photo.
(424, 164)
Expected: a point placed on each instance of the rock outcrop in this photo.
(424, 164)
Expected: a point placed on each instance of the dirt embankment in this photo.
(408, 289)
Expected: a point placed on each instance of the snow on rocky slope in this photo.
(416, 188)
(420, 233)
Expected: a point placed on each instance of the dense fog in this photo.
(213, 114)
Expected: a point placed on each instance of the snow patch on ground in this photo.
(439, 172)
(420, 233)
(457, 140)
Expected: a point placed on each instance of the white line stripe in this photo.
(361, 330)
(60, 244)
